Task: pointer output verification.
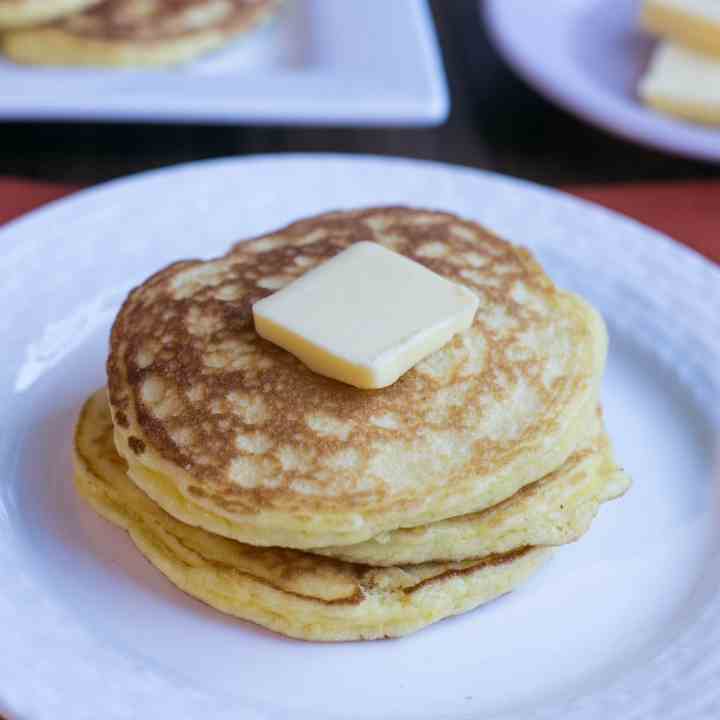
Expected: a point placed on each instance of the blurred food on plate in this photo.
(22, 13)
(124, 33)
(683, 77)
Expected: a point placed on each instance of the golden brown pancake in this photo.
(230, 433)
(138, 32)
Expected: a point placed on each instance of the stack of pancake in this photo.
(123, 32)
(327, 512)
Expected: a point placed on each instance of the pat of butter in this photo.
(684, 83)
(366, 316)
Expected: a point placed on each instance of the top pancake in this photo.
(227, 431)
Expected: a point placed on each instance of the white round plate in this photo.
(587, 56)
(625, 623)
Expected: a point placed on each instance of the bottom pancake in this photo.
(290, 591)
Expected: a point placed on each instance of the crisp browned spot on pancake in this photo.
(136, 445)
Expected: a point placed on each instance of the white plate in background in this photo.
(587, 56)
(623, 624)
(353, 62)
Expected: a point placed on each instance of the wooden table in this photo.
(497, 122)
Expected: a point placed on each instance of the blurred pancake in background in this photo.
(21, 13)
(121, 33)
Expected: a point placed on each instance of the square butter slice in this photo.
(366, 316)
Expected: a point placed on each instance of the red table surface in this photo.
(689, 212)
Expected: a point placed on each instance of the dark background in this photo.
(496, 122)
